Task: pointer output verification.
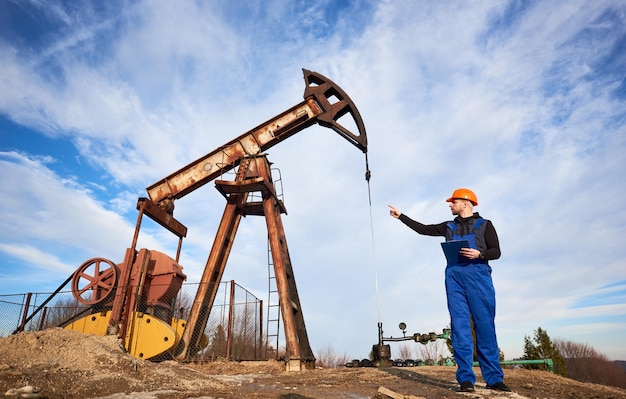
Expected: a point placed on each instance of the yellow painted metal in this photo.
(179, 326)
(95, 324)
(149, 336)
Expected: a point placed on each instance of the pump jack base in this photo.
(299, 365)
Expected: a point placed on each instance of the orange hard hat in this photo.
(464, 193)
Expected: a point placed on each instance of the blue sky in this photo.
(524, 102)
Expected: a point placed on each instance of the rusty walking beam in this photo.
(316, 108)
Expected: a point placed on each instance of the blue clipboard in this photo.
(452, 251)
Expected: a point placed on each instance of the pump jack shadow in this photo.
(421, 378)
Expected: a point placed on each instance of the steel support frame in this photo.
(254, 174)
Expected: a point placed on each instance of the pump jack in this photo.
(134, 308)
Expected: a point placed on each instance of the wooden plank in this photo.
(394, 395)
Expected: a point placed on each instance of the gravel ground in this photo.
(57, 364)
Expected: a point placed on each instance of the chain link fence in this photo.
(234, 329)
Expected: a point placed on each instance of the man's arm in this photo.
(424, 229)
(492, 242)
(420, 228)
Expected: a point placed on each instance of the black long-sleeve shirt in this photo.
(491, 237)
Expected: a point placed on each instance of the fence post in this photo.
(43, 318)
(25, 315)
(229, 338)
(257, 356)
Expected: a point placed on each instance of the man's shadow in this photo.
(420, 378)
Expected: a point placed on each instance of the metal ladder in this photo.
(273, 309)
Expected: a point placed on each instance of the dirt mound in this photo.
(60, 348)
(68, 364)
(65, 364)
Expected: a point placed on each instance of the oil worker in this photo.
(469, 288)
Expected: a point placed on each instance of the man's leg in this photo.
(460, 324)
(482, 302)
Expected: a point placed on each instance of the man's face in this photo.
(457, 205)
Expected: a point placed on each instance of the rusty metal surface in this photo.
(211, 277)
(254, 174)
(94, 281)
(323, 90)
(162, 217)
(316, 108)
(324, 103)
(296, 337)
(116, 322)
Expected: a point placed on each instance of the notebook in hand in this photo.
(451, 250)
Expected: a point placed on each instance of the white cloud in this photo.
(513, 103)
(34, 256)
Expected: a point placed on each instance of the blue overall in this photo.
(470, 293)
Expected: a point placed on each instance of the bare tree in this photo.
(181, 305)
(62, 310)
(217, 344)
(327, 358)
(585, 364)
(246, 344)
(405, 351)
(433, 352)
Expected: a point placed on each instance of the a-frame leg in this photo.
(299, 354)
(211, 278)
(253, 175)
